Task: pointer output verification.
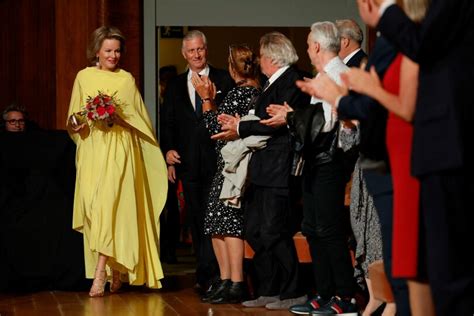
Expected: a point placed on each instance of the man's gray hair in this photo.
(351, 30)
(326, 34)
(13, 108)
(192, 35)
(278, 48)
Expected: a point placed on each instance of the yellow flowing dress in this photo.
(121, 181)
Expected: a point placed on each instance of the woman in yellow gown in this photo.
(121, 181)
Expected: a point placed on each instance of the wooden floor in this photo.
(131, 302)
(177, 297)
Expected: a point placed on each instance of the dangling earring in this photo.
(97, 62)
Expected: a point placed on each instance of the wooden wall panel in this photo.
(44, 46)
(128, 17)
(28, 69)
(75, 20)
(8, 57)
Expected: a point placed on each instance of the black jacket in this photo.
(183, 131)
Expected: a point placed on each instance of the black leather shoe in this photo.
(232, 295)
(216, 286)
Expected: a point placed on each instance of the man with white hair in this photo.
(267, 199)
(324, 180)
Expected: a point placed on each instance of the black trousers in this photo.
(267, 214)
(169, 226)
(195, 196)
(448, 213)
(381, 189)
(324, 225)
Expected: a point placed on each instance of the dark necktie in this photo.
(265, 86)
(198, 104)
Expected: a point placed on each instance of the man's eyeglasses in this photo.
(14, 122)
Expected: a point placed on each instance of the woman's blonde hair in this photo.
(416, 9)
(97, 38)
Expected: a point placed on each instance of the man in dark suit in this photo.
(373, 152)
(267, 201)
(352, 54)
(442, 156)
(352, 37)
(190, 152)
(324, 179)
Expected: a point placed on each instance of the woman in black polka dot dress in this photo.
(225, 223)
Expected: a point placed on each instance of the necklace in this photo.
(241, 82)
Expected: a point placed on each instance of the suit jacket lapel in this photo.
(271, 88)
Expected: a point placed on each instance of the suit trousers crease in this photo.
(325, 229)
(206, 264)
(268, 233)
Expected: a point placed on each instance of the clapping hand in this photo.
(229, 125)
(362, 81)
(323, 87)
(278, 115)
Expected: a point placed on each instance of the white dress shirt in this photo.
(385, 5)
(333, 69)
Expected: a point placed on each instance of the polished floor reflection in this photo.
(177, 297)
(131, 301)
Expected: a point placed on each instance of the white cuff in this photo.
(385, 5)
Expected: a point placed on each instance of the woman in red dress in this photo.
(398, 94)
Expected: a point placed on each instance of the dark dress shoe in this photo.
(219, 290)
(234, 294)
(217, 285)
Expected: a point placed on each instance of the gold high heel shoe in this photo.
(98, 285)
(116, 282)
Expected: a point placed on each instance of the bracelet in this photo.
(206, 100)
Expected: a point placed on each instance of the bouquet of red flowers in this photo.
(101, 107)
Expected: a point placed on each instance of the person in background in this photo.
(373, 159)
(170, 217)
(267, 199)
(224, 222)
(14, 118)
(324, 181)
(190, 153)
(165, 74)
(398, 94)
(352, 37)
(442, 156)
(121, 178)
(364, 218)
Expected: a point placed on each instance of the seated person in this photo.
(14, 118)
